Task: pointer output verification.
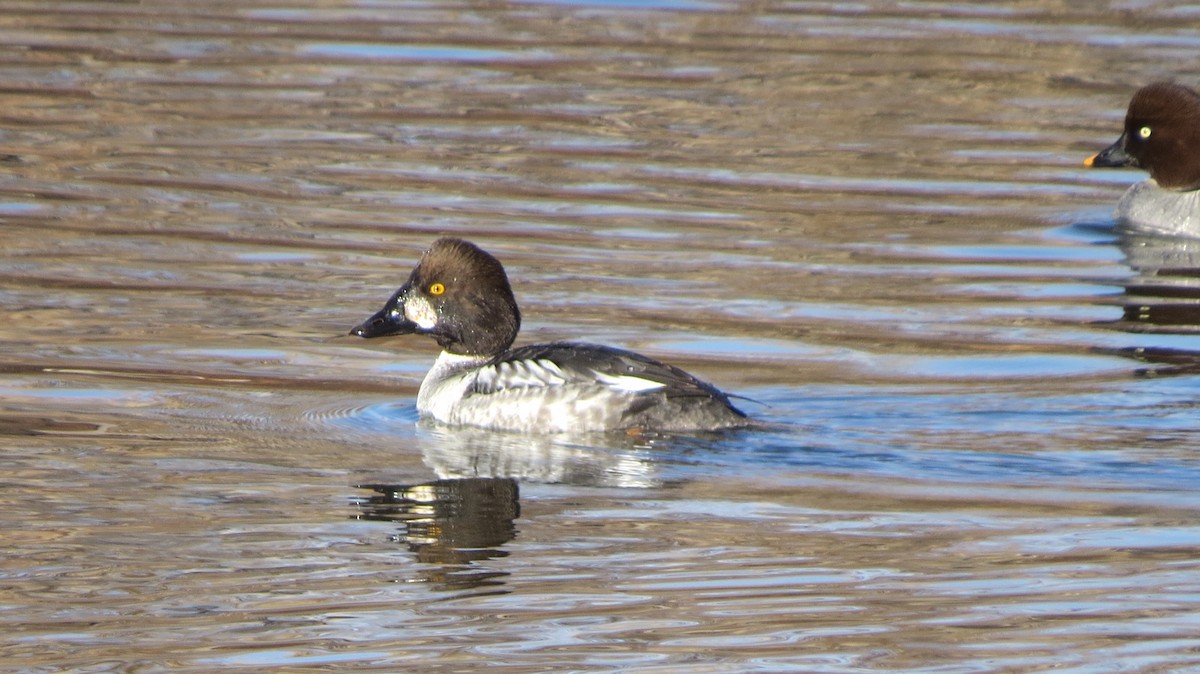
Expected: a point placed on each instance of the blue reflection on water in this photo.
(1000, 439)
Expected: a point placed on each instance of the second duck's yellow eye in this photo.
(1144, 132)
(436, 289)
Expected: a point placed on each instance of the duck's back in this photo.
(572, 387)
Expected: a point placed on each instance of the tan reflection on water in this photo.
(856, 214)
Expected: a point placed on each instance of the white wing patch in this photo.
(628, 383)
(521, 374)
(517, 374)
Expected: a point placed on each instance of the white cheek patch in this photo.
(420, 311)
(628, 383)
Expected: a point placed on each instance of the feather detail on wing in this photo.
(518, 373)
(565, 363)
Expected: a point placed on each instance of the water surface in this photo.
(870, 220)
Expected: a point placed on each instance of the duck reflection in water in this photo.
(469, 513)
(450, 523)
(1163, 298)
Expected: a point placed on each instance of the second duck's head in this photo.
(1161, 136)
(459, 295)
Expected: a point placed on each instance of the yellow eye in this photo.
(436, 289)
(1144, 132)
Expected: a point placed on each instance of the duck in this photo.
(460, 295)
(1162, 137)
